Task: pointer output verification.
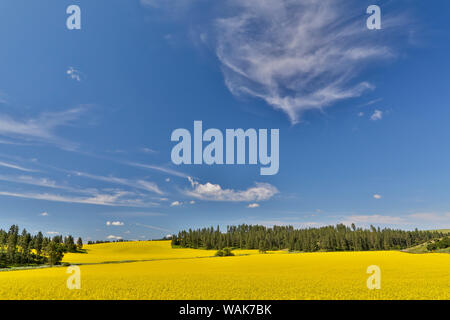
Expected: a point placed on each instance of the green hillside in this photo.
(422, 248)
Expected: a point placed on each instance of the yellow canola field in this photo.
(133, 250)
(141, 250)
(337, 275)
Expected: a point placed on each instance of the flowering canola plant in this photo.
(195, 274)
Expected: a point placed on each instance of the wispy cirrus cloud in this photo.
(12, 142)
(41, 128)
(15, 166)
(110, 195)
(138, 184)
(30, 180)
(152, 227)
(148, 150)
(114, 199)
(162, 169)
(431, 219)
(45, 183)
(297, 55)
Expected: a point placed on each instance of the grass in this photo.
(422, 248)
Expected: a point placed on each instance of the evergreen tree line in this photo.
(329, 238)
(22, 248)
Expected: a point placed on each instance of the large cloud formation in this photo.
(297, 55)
(214, 192)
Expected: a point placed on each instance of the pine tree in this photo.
(69, 244)
(79, 244)
(38, 242)
(13, 236)
(54, 252)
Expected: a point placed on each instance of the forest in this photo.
(24, 249)
(439, 244)
(329, 238)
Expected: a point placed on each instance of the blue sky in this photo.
(86, 115)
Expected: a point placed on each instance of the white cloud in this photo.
(192, 202)
(148, 150)
(138, 184)
(44, 214)
(426, 220)
(74, 74)
(192, 181)
(117, 198)
(253, 205)
(158, 168)
(167, 179)
(377, 196)
(152, 227)
(377, 115)
(14, 143)
(214, 192)
(52, 233)
(42, 182)
(15, 166)
(40, 128)
(432, 217)
(108, 197)
(114, 223)
(113, 237)
(176, 204)
(360, 114)
(147, 185)
(296, 55)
